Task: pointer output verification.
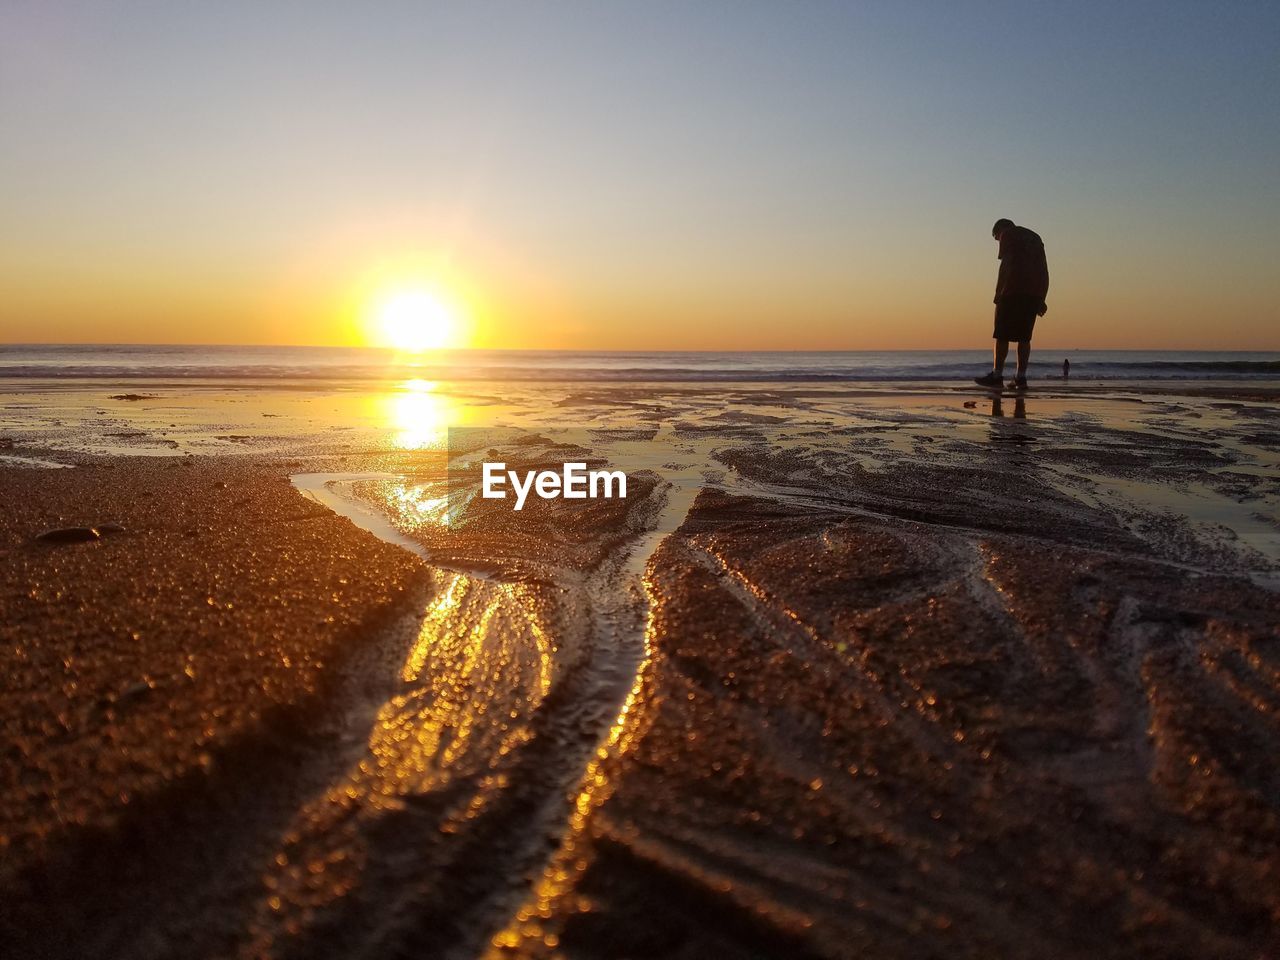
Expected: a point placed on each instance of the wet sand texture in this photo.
(896, 683)
(860, 738)
(162, 679)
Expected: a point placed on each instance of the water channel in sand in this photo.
(494, 667)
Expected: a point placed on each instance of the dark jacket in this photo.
(1024, 272)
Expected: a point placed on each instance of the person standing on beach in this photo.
(1021, 288)
(1066, 368)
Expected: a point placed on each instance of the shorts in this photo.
(1015, 318)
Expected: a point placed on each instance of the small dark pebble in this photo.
(68, 535)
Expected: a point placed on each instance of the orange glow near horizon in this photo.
(571, 195)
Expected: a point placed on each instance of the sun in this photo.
(415, 320)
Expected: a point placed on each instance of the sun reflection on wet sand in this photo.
(419, 417)
(418, 505)
(478, 670)
(559, 876)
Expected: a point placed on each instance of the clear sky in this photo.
(646, 175)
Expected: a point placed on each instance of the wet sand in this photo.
(848, 673)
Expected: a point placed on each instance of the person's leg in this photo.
(1002, 351)
(1024, 356)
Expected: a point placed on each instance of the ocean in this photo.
(185, 362)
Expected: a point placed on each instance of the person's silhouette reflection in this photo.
(1019, 407)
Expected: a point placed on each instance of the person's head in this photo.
(1000, 227)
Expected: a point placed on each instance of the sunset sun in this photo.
(415, 320)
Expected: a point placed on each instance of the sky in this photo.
(726, 174)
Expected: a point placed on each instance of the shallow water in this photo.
(32, 462)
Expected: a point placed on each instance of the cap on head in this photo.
(1002, 224)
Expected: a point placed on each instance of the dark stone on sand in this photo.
(78, 534)
(67, 535)
(132, 396)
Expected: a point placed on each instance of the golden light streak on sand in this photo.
(467, 669)
(414, 509)
(541, 640)
(437, 612)
(571, 858)
(478, 670)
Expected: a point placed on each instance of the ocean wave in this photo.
(312, 365)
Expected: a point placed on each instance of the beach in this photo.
(616, 481)
(891, 669)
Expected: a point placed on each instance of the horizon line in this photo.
(618, 350)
